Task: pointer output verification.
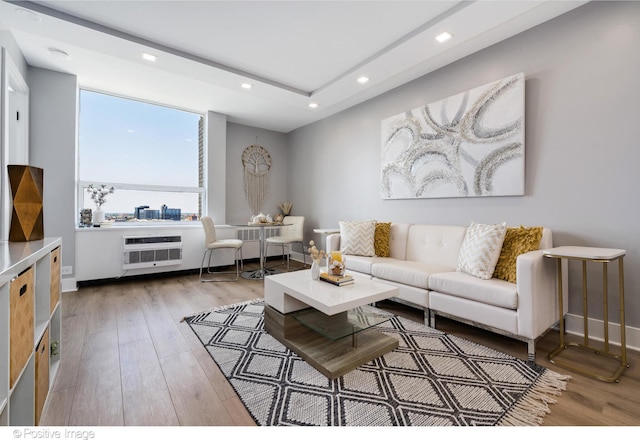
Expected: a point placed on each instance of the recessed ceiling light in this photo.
(246, 86)
(313, 105)
(363, 79)
(59, 53)
(149, 57)
(29, 15)
(443, 37)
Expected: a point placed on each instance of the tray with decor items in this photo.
(343, 280)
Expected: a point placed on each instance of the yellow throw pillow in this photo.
(382, 238)
(517, 241)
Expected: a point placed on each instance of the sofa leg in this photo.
(429, 318)
(531, 350)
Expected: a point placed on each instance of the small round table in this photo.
(259, 274)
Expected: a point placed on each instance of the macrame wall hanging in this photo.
(256, 162)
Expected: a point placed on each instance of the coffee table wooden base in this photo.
(331, 358)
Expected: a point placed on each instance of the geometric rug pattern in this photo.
(431, 379)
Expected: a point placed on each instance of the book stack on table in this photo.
(343, 280)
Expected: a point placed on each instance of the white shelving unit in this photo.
(30, 286)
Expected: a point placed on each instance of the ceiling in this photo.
(293, 53)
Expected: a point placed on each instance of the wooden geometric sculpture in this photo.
(27, 212)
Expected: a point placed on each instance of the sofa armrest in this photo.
(537, 293)
(332, 243)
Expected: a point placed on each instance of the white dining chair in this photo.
(289, 235)
(211, 243)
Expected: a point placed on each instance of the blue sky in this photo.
(127, 141)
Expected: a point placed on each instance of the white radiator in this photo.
(251, 238)
(144, 251)
(253, 234)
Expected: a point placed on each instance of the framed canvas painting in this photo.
(467, 145)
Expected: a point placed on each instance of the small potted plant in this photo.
(286, 207)
(98, 194)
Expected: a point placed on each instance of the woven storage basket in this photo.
(21, 316)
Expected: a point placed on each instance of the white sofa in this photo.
(422, 264)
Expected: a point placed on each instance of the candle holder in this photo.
(86, 218)
(336, 264)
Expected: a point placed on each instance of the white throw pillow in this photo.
(357, 238)
(480, 249)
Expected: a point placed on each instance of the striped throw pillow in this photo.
(356, 238)
(480, 249)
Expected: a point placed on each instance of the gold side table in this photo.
(597, 255)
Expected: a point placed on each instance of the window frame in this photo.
(201, 191)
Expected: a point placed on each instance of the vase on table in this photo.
(98, 216)
(315, 270)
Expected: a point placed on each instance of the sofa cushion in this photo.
(356, 237)
(411, 273)
(517, 241)
(382, 238)
(493, 292)
(362, 264)
(398, 240)
(480, 249)
(435, 244)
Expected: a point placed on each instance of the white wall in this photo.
(9, 42)
(101, 250)
(582, 112)
(53, 148)
(216, 159)
(9, 129)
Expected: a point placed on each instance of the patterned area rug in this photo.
(431, 379)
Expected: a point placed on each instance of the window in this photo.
(151, 155)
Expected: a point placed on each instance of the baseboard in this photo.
(297, 256)
(574, 325)
(69, 284)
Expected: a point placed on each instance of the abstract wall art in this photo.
(467, 145)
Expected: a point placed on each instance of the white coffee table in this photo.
(330, 327)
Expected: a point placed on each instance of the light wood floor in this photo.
(127, 359)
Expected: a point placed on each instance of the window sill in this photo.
(139, 226)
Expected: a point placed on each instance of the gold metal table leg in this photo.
(605, 304)
(585, 303)
(623, 338)
(615, 377)
(560, 302)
